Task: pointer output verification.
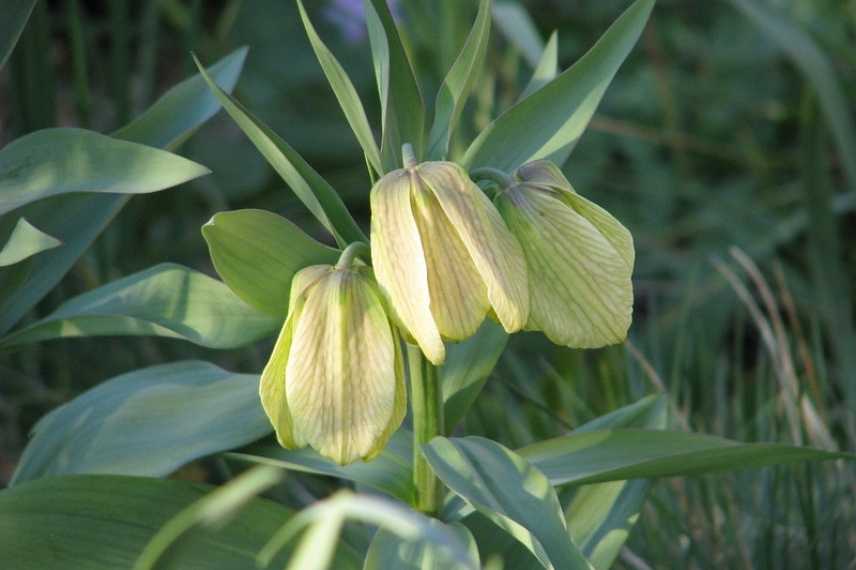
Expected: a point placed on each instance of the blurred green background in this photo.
(725, 144)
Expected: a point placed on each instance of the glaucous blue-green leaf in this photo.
(390, 472)
(103, 522)
(505, 488)
(467, 367)
(257, 253)
(345, 92)
(147, 422)
(309, 186)
(551, 120)
(615, 455)
(166, 300)
(517, 26)
(402, 107)
(15, 16)
(58, 161)
(547, 68)
(77, 219)
(458, 84)
(388, 550)
(25, 241)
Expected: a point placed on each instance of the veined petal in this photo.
(543, 173)
(399, 261)
(581, 289)
(341, 382)
(304, 279)
(458, 295)
(606, 224)
(494, 250)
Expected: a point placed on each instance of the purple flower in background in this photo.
(350, 17)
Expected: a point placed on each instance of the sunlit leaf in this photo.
(25, 241)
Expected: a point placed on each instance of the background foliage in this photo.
(725, 144)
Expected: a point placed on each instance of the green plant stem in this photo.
(500, 178)
(407, 156)
(427, 407)
(351, 252)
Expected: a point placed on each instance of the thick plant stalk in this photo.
(427, 406)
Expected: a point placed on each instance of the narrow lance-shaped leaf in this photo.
(77, 219)
(25, 241)
(547, 68)
(347, 96)
(257, 253)
(166, 300)
(458, 83)
(548, 123)
(15, 16)
(514, 22)
(318, 196)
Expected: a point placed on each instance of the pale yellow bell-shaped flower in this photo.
(444, 256)
(335, 380)
(580, 259)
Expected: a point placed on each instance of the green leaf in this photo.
(390, 472)
(504, 487)
(147, 422)
(514, 22)
(57, 161)
(177, 114)
(388, 550)
(547, 68)
(598, 456)
(551, 120)
(466, 369)
(166, 300)
(76, 220)
(15, 16)
(458, 84)
(25, 241)
(402, 108)
(347, 96)
(95, 522)
(309, 186)
(819, 71)
(257, 253)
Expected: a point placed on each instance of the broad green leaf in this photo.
(817, 68)
(147, 422)
(15, 16)
(598, 456)
(347, 96)
(390, 472)
(547, 68)
(166, 300)
(504, 487)
(77, 219)
(25, 241)
(102, 522)
(309, 186)
(458, 84)
(514, 22)
(402, 108)
(388, 550)
(257, 253)
(177, 114)
(57, 161)
(551, 120)
(466, 369)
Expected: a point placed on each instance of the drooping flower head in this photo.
(335, 380)
(444, 256)
(580, 259)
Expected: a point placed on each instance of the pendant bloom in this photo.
(444, 256)
(335, 380)
(580, 259)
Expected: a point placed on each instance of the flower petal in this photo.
(606, 224)
(399, 261)
(580, 284)
(341, 382)
(458, 294)
(494, 250)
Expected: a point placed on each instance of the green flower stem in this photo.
(426, 402)
(407, 156)
(351, 252)
(500, 178)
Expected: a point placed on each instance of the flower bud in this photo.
(335, 380)
(444, 256)
(579, 258)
